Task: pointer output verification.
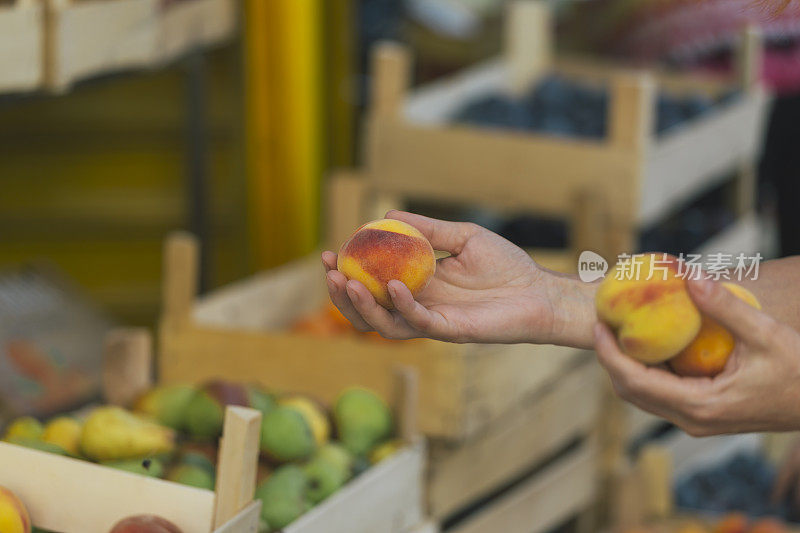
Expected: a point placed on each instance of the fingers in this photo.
(329, 260)
(431, 323)
(444, 236)
(744, 321)
(680, 400)
(391, 326)
(337, 288)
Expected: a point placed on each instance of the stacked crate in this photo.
(607, 188)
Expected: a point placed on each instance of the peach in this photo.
(768, 525)
(732, 523)
(645, 301)
(708, 353)
(13, 514)
(383, 250)
(145, 524)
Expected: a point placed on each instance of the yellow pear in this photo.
(64, 432)
(111, 433)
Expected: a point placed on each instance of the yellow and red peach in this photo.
(645, 301)
(732, 523)
(13, 514)
(708, 353)
(385, 250)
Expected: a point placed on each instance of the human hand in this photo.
(487, 290)
(759, 390)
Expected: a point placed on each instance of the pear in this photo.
(259, 399)
(65, 432)
(111, 433)
(385, 450)
(283, 496)
(314, 415)
(150, 466)
(327, 471)
(206, 409)
(36, 444)
(362, 420)
(192, 475)
(194, 470)
(166, 404)
(286, 435)
(25, 427)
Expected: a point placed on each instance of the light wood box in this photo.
(21, 45)
(87, 38)
(413, 151)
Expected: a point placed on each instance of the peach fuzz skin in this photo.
(383, 250)
(654, 319)
(708, 353)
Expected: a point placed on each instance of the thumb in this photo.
(734, 314)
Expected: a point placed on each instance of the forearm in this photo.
(777, 287)
(574, 313)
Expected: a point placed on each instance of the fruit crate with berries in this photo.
(722, 484)
(539, 132)
(21, 27)
(221, 457)
(496, 415)
(86, 38)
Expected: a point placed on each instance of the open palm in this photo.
(487, 290)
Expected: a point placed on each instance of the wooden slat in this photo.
(391, 74)
(345, 203)
(696, 157)
(528, 43)
(541, 503)
(127, 365)
(385, 499)
(21, 27)
(237, 463)
(91, 498)
(537, 427)
(501, 169)
(184, 26)
(247, 521)
(632, 112)
(181, 271)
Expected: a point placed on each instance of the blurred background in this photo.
(271, 128)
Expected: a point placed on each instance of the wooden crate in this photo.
(239, 333)
(534, 431)
(21, 27)
(90, 37)
(562, 490)
(637, 177)
(188, 24)
(73, 496)
(86, 38)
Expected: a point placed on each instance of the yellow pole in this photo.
(284, 126)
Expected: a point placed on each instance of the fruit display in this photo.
(385, 250)
(173, 430)
(560, 106)
(730, 523)
(645, 301)
(742, 483)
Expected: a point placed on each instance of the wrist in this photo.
(573, 310)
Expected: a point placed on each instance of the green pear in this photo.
(39, 445)
(166, 404)
(149, 466)
(283, 496)
(286, 435)
(260, 399)
(206, 409)
(192, 475)
(362, 420)
(327, 471)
